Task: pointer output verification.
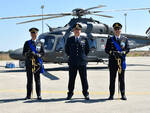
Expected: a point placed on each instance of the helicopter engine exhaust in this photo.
(148, 32)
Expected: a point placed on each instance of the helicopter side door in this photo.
(100, 44)
(100, 47)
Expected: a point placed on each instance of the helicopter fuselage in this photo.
(96, 32)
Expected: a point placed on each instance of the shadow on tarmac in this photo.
(11, 100)
(75, 100)
(34, 100)
(45, 100)
(82, 100)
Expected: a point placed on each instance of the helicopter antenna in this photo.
(50, 28)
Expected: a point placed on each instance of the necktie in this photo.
(33, 42)
(77, 39)
(116, 38)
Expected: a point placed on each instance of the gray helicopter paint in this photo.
(17, 54)
(96, 53)
(59, 44)
(134, 43)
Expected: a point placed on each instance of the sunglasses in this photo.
(116, 29)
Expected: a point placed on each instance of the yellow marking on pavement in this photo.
(76, 92)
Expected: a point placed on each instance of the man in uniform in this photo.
(77, 48)
(117, 47)
(33, 52)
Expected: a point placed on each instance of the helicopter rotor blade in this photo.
(41, 19)
(103, 15)
(99, 6)
(119, 10)
(14, 17)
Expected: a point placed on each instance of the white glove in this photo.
(38, 55)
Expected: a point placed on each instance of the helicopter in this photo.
(96, 32)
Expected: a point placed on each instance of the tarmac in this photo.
(54, 90)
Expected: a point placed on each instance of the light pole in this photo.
(125, 14)
(42, 7)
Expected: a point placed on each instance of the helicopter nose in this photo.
(13, 54)
(16, 54)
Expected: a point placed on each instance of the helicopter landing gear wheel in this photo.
(21, 64)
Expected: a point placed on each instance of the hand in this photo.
(28, 53)
(33, 53)
(111, 53)
(116, 53)
(122, 53)
(38, 55)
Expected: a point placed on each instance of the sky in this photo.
(13, 36)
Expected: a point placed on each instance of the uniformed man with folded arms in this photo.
(117, 48)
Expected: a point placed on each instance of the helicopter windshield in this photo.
(48, 42)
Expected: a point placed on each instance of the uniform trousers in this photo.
(113, 72)
(30, 82)
(83, 76)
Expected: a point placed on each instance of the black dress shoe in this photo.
(39, 98)
(69, 97)
(111, 98)
(123, 97)
(87, 97)
(26, 98)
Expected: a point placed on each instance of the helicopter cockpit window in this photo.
(101, 31)
(60, 45)
(48, 42)
(92, 44)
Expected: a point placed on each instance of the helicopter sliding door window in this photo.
(101, 43)
(92, 44)
(49, 42)
(60, 45)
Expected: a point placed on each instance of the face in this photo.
(77, 32)
(33, 35)
(117, 31)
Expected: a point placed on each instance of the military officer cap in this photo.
(77, 26)
(33, 30)
(117, 25)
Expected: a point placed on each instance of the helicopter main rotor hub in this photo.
(79, 12)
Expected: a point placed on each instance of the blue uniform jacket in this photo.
(110, 48)
(27, 52)
(77, 51)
